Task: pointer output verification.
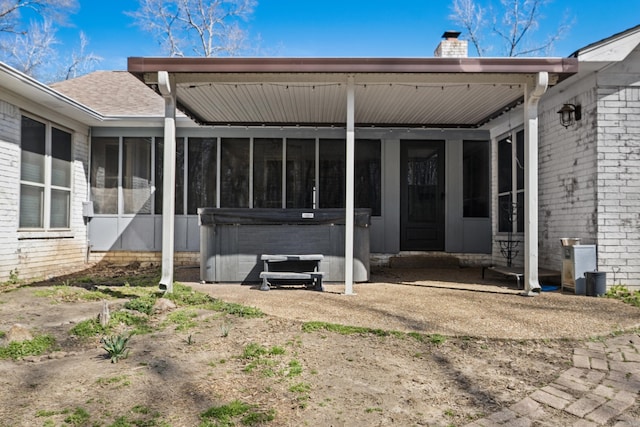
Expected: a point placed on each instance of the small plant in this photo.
(87, 328)
(14, 278)
(300, 388)
(140, 324)
(253, 351)
(622, 293)
(143, 304)
(92, 327)
(344, 329)
(18, 349)
(79, 417)
(225, 415)
(189, 340)
(437, 339)
(295, 368)
(183, 319)
(225, 328)
(66, 293)
(116, 346)
(416, 336)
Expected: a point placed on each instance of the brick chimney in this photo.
(451, 46)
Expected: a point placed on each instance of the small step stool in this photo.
(291, 268)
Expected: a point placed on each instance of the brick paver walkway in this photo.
(598, 390)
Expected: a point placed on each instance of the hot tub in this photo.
(232, 241)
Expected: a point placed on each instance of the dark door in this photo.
(422, 196)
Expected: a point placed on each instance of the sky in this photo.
(342, 28)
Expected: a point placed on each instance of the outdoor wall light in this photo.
(569, 114)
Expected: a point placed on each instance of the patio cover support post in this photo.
(169, 179)
(532, 97)
(350, 181)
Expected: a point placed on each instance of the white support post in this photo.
(169, 180)
(532, 97)
(350, 192)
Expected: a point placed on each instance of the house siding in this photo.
(567, 177)
(39, 254)
(9, 184)
(618, 219)
(589, 176)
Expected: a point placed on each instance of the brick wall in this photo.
(590, 173)
(618, 220)
(35, 255)
(9, 184)
(144, 258)
(567, 178)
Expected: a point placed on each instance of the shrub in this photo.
(621, 292)
(19, 349)
(142, 304)
(116, 346)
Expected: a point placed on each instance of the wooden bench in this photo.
(518, 273)
(291, 269)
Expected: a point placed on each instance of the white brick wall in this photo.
(38, 255)
(9, 184)
(567, 177)
(590, 173)
(618, 170)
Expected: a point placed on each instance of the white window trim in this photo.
(49, 232)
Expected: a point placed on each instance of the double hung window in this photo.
(45, 176)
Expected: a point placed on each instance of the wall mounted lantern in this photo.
(569, 114)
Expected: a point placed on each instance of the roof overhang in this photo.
(26, 87)
(612, 49)
(389, 92)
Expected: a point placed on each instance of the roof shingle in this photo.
(113, 93)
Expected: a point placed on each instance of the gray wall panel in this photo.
(477, 235)
(103, 234)
(138, 233)
(391, 196)
(454, 236)
(192, 233)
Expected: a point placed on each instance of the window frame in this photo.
(481, 176)
(48, 186)
(516, 190)
(216, 186)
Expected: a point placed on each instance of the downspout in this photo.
(350, 192)
(532, 98)
(169, 180)
(87, 217)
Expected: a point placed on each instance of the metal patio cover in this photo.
(427, 92)
(389, 92)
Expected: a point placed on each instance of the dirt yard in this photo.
(426, 373)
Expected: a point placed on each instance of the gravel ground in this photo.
(454, 302)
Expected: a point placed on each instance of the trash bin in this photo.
(596, 283)
(576, 260)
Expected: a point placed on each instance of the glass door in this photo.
(422, 196)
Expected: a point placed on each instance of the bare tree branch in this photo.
(513, 23)
(28, 52)
(207, 27)
(81, 62)
(471, 17)
(55, 11)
